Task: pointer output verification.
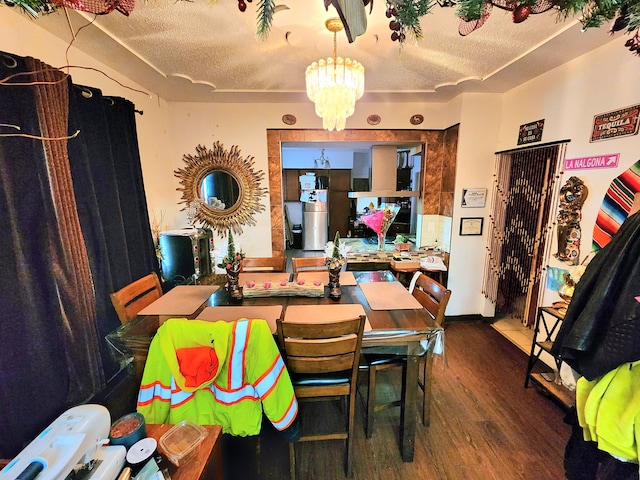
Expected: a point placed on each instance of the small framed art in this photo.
(474, 197)
(471, 225)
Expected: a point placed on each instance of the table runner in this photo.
(388, 296)
(180, 300)
(346, 278)
(260, 277)
(315, 313)
(232, 313)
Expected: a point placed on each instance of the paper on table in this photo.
(316, 313)
(388, 296)
(346, 278)
(230, 313)
(180, 300)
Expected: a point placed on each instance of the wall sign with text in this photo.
(609, 160)
(618, 123)
(530, 132)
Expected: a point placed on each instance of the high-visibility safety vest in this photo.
(216, 373)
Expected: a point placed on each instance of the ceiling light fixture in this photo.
(335, 84)
(322, 162)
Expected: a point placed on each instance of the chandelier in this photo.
(335, 84)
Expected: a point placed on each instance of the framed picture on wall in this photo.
(471, 226)
(474, 197)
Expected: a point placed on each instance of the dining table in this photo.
(396, 323)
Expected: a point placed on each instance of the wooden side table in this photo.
(206, 464)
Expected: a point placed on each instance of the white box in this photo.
(307, 182)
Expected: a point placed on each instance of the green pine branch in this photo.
(470, 10)
(32, 8)
(266, 9)
(410, 11)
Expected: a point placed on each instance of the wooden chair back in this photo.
(321, 347)
(432, 296)
(314, 350)
(129, 300)
(264, 264)
(307, 263)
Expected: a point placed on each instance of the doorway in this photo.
(526, 185)
(437, 188)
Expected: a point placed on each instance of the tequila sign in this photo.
(617, 123)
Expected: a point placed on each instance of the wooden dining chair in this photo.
(264, 264)
(322, 360)
(434, 297)
(129, 300)
(308, 264)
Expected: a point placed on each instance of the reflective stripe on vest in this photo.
(288, 416)
(154, 391)
(235, 371)
(269, 379)
(178, 397)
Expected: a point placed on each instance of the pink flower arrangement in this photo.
(380, 220)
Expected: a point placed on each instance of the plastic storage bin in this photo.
(181, 442)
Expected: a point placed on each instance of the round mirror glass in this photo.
(219, 190)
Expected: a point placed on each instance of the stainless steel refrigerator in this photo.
(315, 222)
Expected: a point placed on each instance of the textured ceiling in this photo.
(208, 52)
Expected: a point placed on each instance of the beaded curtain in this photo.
(525, 186)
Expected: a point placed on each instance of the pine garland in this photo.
(32, 8)
(266, 8)
(470, 10)
(410, 11)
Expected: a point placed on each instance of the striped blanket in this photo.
(616, 206)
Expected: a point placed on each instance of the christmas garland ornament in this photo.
(521, 13)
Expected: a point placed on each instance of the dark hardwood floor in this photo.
(484, 425)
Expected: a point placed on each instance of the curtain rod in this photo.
(528, 147)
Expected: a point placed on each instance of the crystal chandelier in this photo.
(335, 84)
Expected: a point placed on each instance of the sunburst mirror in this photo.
(223, 186)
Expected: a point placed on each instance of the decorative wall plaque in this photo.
(416, 119)
(618, 123)
(373, 119)
(530, 132)
(572, 196)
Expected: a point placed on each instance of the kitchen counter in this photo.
(364, 255)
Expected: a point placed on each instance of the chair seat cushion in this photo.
(382, 359)
(320, 378)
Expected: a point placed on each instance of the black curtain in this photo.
(44, 344)
(110, 197)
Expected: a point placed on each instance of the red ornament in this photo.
(521, 13)
(242, 6)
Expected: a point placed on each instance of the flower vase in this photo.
(233, 274)
(334, 283)
(381, 236)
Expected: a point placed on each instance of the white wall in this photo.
(479, 125)
(567, 98)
